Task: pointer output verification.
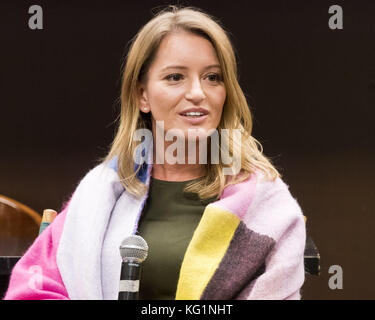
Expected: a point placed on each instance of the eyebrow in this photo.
(184, 68)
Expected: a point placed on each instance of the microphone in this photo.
(133, 250)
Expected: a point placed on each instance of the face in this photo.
(183, 86)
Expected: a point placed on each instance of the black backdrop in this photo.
(311, 90)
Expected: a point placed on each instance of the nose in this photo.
(195, 93)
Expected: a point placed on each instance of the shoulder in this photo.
(99, 186)
(103, 174)
(273, 208)
(272, 193)
(103, 170)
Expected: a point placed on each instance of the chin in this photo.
(197, 132)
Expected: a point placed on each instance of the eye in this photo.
(214, 77)
(174, 77)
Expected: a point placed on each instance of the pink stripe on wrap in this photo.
(237, 198)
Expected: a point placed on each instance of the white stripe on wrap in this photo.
(129, 286)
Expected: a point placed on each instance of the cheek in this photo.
(164, 100)
(222, 96)
(160, 92)
(219, 100)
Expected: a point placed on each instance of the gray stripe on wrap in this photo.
(242, 263)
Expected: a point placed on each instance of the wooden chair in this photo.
(19, 226)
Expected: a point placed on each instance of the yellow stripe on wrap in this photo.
(206, 249)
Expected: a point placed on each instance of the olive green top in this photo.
(168, 221)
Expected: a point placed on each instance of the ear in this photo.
(143, 101)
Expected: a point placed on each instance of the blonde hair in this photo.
(236, 113)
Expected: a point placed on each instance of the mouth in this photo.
(194, 112)
(194, 117)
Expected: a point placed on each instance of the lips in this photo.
(194, 112)
(194, 116)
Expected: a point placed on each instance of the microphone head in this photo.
(134, 248)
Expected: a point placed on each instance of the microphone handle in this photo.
(129, 280)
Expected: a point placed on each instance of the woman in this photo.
(225, 228)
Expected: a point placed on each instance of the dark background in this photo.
(311, 90)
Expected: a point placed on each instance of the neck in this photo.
(179, 171)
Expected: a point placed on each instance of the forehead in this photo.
(185, 48)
